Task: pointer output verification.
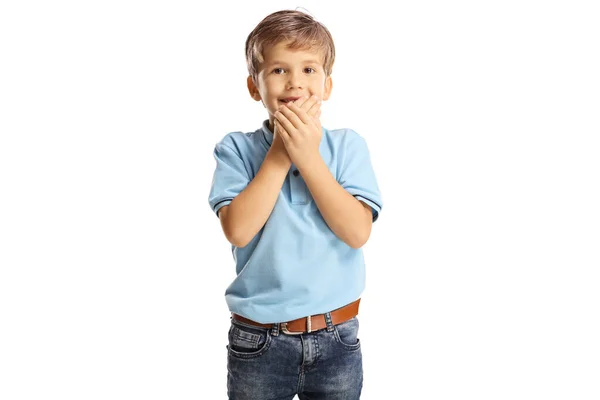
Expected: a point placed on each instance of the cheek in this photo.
(273, 94)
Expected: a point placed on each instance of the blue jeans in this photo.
(267, 364)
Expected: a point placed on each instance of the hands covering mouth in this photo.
(297, 125)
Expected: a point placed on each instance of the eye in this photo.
(309, 68)
(277, 69)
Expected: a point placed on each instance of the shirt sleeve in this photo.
(229, 179)
(357, 175)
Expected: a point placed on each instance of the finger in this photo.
(312, 105)
(282, 117)
(280, 111)
(300, 102)
(316, 107)
(304, 102)
(300, 117)
(314, 99)
(316, 115)
(315, 119)
(281, 132)
(295, 116)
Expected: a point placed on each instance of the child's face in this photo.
(289, 73)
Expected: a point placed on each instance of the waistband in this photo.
(311, 323)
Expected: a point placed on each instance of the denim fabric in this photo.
(267, 364)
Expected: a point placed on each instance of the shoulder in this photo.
(345, 138)
(344, 135)
(236, 139)
(239, 142)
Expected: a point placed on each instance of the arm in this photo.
(248, 212)
(349, 218)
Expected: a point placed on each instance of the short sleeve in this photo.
(229, 179)
(357, 175)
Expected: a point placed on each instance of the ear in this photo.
(328, 87)
(252, 88)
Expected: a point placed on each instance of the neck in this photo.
(271, 125)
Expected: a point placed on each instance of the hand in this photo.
(278, 147)
(310, 105)
(300, 130)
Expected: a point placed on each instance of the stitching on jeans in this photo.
(235, 321)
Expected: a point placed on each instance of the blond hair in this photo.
(301, 29)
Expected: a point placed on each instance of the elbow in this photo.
(359, 240)
(235, 237)
(237, 241)
(356, 244)
(358, 237)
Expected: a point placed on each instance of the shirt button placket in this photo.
(298, 188)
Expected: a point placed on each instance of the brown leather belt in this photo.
(311, 323)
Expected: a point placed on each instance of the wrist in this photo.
(308, 164)
(279, 159)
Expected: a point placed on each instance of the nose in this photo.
(295, 79)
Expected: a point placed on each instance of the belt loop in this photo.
(275, 329)
(328, 322)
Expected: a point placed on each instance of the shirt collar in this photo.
(267, 134)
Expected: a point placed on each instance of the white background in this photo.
(482, 120)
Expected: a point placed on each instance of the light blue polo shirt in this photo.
(295, 265)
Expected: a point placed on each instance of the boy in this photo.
(297, 202)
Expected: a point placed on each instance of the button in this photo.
(296, 172)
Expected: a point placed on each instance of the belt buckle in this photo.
(285, 330)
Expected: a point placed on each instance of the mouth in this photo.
(288, 99)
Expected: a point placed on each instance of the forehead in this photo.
(280, 52)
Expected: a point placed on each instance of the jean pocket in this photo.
(247, 342)
(346, 334)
